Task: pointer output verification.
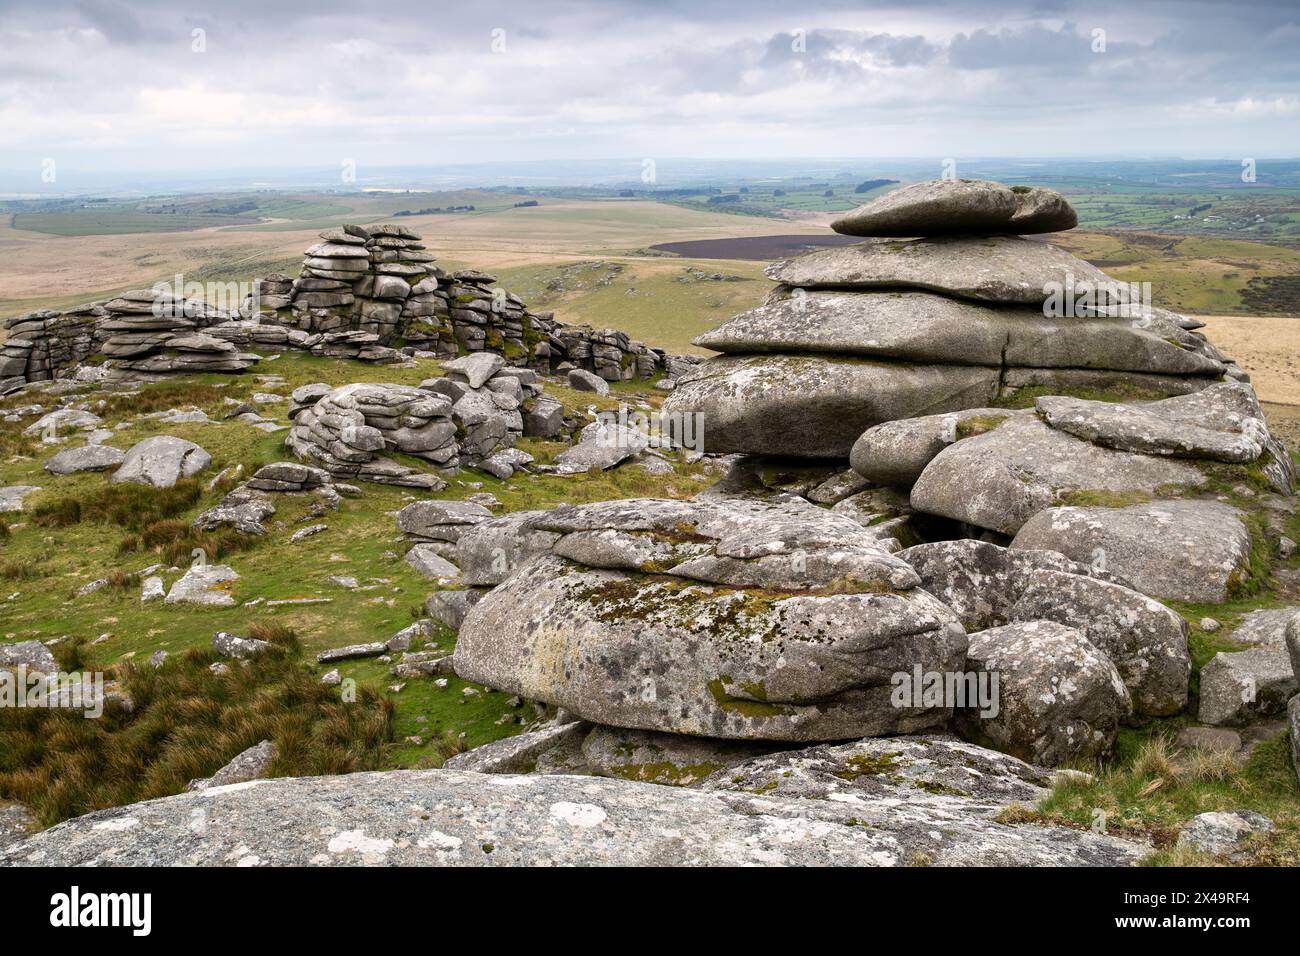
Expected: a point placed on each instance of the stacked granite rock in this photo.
(141, 333)
(729, 622)
(40, 344)
(150, 331)
(348, 430)
(898, 327)
(471, 417)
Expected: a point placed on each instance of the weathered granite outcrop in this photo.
(732, 619)
(451, 818)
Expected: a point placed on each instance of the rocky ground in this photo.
(437, 612)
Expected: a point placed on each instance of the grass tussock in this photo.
(175, 542)
(165, 396)
(1151, 789)
(187, 723)
(127, 505)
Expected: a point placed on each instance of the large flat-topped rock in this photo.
(924, 327)
(1176, 550)
(661, 652)
(1207, 426)
(456, 818)
(990, 269)
(946, 207)
(1002, 478)
(816, 406)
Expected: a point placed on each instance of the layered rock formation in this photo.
(961, 318)
(371, 294)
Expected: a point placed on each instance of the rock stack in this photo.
(140, 334)
(965, 316)
(152, 332)
(471, 417)
(348, 430)
(728, 619)
(38, 345)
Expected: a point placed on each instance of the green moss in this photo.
(1102, 499)
(979, 425)
(739, 705)
(869, 765)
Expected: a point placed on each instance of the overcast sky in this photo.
(118, 84)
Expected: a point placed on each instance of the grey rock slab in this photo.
(456, 818)
(1060, 699)
(251, 764)
(940, 796)
(31, 655)
(815, 406)
(584, 381)
(1002, 478)
(895, 453)
(16, 823)
(929, 328)
(1004, 269)
(601, 445)
(239, 648)
(440, 520)
(12, 496)
(477, 367)
(1174, 550)
(449, 607)
(1238, 687)
(492, 550)
(203, 584)
(959, 207)
(1222, 832)
(669, 759)
(431, 565)
(777, 544)
(86, 458)
(161, 461)
(351, 651)
(982, 581)
(517, 754)
(647, 652)
(1221, 423)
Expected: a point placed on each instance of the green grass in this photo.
(187, 722)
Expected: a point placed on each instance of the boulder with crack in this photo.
(730, 619)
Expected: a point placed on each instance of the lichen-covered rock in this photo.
(979, 580)
(86, 458)
(440, 520)
(663, 652)
(204, 584)
(518, 754)
(928, 328)
(944, 207)
(1240, 686)
(1175, 550)
(1002, 478)
(453, 818)
(33, 656)
(1004, 269)
(1186, 426)
(1222, 832)
(490, 551)
(1146, 641)
(251, 764)
(161, 461)
(1060, 699)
